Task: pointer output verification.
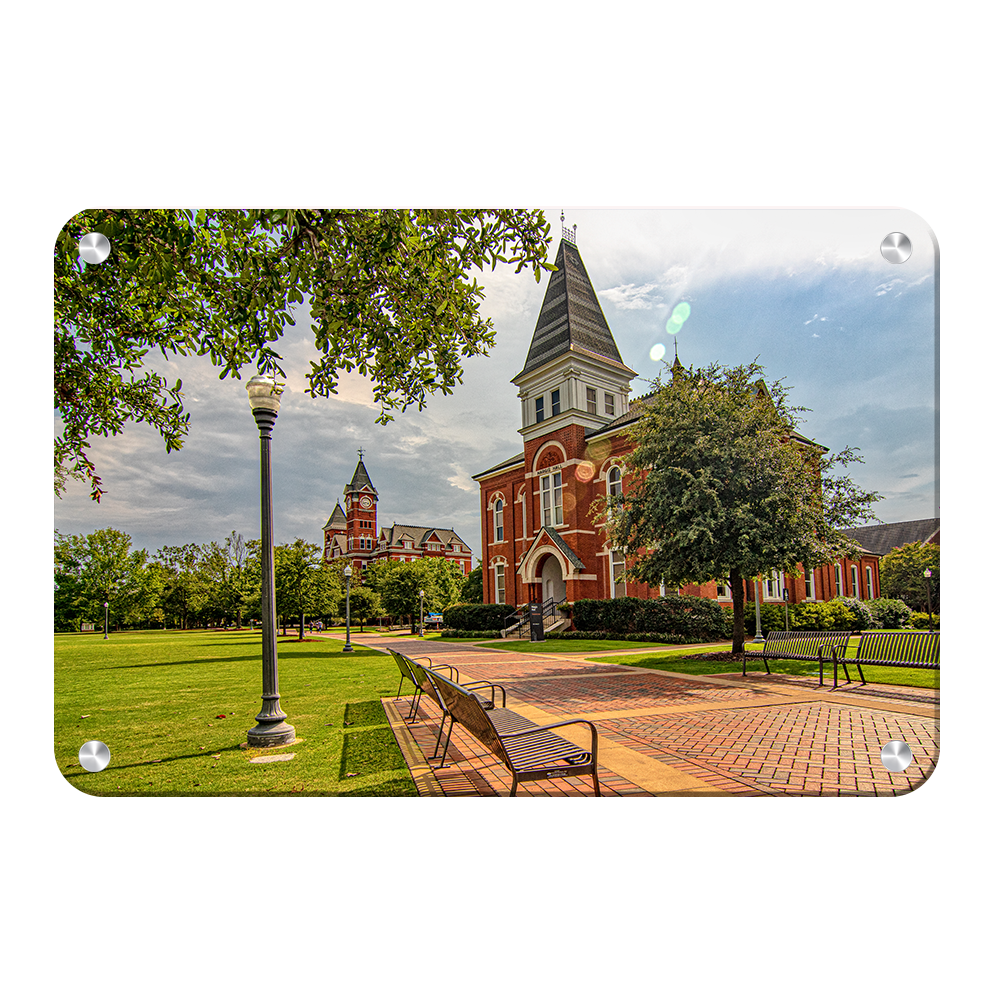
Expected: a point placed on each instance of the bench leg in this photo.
(597, 784)
(447, 740)
(860, 671)
(513, 787)
(821, 669)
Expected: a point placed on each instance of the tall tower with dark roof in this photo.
(574, 373)
(361, 501)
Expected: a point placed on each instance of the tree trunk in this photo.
(302, 626)
(738, 589)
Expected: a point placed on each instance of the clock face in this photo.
(366, 502)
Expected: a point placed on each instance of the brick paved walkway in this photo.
(671, 734)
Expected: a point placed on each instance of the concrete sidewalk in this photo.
(674, 734)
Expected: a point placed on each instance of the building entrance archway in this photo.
(553, 584)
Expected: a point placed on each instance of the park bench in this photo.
(423, 684)
(809, 646)
(528, 751)
(892, 649)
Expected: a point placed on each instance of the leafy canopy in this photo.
(721, 487)
(391, 294)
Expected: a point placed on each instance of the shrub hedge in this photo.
(476, 617)
(684, 619)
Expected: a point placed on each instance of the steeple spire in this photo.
(571, 315)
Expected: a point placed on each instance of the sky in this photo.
(807, 293)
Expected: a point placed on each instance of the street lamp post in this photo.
(928, 573)
(271, 730)
(348, 648)
(421, 614)
(756, 598)
(105, 619)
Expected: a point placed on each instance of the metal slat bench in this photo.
(892, 649)
(798, 646)
(423, 684)
(529, 752)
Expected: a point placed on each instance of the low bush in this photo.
(691, 618)
(888, 612)
(454, 633)
(919, 620)
(862, 618)
(476, 617)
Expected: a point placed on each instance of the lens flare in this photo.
(656, 352)
(681, 312)
(585, 471)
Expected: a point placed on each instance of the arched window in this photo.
(871, 583)
(614, 481)
(498, 520)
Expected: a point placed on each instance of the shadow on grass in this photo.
(159, 760)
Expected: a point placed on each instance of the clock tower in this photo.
(361, 501)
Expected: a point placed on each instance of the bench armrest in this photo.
(493, 690)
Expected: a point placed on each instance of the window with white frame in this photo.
(810, 583)
(539, 409)
(501, 589)
(855, 590)
(617, 573)
(609, 404)
(773, 583)
(498, 520)
(722, 591)
(552, 510)
(555, 403)
(591, 400)
(870, 581)
(614, 481)
(838, 580)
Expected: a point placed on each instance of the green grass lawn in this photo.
(174, 707)
(676, 660)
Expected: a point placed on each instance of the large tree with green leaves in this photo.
(303, 583)
(392, 294)
(720, 486)
(398, 584)
(901, 575)
(102, 566)
(231, 572)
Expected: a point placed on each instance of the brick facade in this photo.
(539, 535)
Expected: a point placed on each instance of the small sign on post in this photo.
(535, 622)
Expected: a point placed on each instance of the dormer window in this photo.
(591, 400)
(539, 409)
(555, 402)
(609, 404)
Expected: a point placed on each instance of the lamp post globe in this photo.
(348, 648)
(271, 730)
(928, 574)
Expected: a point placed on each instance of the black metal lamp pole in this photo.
(348, 648)
(271, 729)
(421, 614)
(105, 619)
(759, 637)
(928, 573)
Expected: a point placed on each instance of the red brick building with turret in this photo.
(539, 538)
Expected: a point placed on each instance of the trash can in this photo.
(535, 623)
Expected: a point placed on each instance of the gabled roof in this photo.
(558, 541)
(361, 480)
(883, 538)
(419, 535)
(571, 315)
(338, 519)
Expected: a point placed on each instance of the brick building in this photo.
(353, 532)
(539, 539)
